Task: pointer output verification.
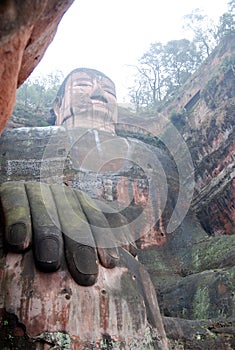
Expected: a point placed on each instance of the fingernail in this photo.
(109, 257)
(113, 258)
(113, 252)
(47, 253)
(85, 260)
(17, 236)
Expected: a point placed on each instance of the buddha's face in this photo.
(89, 97)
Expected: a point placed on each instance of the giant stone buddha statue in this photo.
(70, 262)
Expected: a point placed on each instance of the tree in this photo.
(161, 70)
(231, 6)
(164, 68)
(150, 70)
(140, 94)
(180, 61)
(40, 92)
(35, 99)
(204, 31)
(227, 21)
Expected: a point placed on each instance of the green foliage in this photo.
(201, 303)
(180, 61)
(146, 343)
(178, 119)
(34, 100)
(228, 64)
(226, 25)
(146, 138)
(163, 69)
(204, 31)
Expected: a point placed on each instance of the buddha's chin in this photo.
(100, 108)
(100, 111)
(99, 103)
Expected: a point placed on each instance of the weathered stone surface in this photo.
(209, 133)
(132, 176)
(195, 270)
(113, 310)
(26, 30)
(205, 105)
(206, 335)
(186, 265)
(193, 273)
(124, 290)
(24, 165)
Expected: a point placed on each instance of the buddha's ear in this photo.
(57, 105)
(58, 101)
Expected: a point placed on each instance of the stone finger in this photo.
(47, 236)
(17, 219)
(103, 235)
(80, 248)
(120, 227)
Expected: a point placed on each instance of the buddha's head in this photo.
(87, 98)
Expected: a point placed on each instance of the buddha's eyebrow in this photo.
(82, 79)
(108, 86)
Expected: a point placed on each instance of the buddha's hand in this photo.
(56, 220)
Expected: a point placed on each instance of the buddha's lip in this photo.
(99, 99)
(99, 103)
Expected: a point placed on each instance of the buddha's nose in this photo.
(98, 94)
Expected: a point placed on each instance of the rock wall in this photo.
(207, 108)
(193, 273)
(185, 266)
(52, 309)
(135, 178)
(203, 112)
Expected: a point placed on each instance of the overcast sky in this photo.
(109, 35)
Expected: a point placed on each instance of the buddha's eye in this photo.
(83, 84)
(109, 90)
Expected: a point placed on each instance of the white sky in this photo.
(109, 35)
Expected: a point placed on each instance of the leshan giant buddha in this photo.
(118, 303)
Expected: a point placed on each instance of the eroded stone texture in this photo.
(193, 273)
(60, 164)
(209, 133)
(54, 302)
(205, 109)
(26, 30)
(186, 265)
(132, 177)
(205, 335)
(182, 264)
(121, 308)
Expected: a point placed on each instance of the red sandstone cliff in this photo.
(205, 111)
(26, 30)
